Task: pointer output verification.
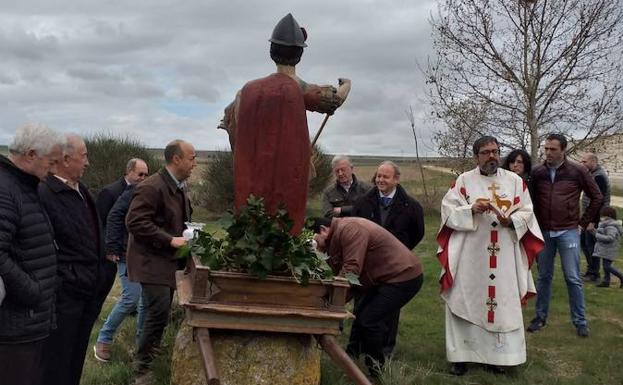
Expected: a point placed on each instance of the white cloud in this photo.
(163, 69)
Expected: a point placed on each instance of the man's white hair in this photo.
(338, 158)
(37, 137)
(69, 142)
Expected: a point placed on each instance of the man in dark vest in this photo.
(267, 126)
(587, 239)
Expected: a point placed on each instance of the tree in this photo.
(109, 155)
(538, 65)
(465, 123)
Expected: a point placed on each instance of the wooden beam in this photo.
(339, 356)
(207, 353)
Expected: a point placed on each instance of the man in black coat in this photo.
(135, 171)
(389, 205)
(78, 235)
(27, 255)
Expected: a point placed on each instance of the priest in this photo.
(488, 240)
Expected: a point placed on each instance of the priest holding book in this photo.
(488, 240)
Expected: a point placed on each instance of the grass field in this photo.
(555, 354)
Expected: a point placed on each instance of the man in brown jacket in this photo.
(155, 223)
(390, 275)
(557, 184)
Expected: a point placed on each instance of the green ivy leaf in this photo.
(352, 278)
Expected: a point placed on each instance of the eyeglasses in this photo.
(489, 152)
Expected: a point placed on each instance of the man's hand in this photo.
(590, 227)
(177, 242)
(337, 211)
(504, 221)
(480, 206)
(112, 258)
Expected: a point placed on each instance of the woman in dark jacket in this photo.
(519, 162)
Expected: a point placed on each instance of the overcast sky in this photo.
(159, 69)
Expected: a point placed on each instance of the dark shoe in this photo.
(494, 369)
(590, 278)
(603, 284)
(458, 368)
(101, 351)
(582, 331)
(536, 324)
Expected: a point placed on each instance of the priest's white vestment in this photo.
(485, 274)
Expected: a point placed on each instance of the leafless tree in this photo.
(538, 65)
(465, 122)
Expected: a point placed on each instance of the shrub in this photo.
(215, 188)
(108, 156)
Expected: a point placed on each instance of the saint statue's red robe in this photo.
(272, 148)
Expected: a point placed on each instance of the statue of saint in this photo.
(267, 127)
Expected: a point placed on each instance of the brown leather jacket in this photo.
(361, 247)
(557, 204)
(157, 213)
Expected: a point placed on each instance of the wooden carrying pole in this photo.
(324, 122)
(339, 356)
(209, 361)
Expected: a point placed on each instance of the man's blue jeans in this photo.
(126, 305)
(568, 246)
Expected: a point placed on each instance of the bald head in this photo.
(180, 158)
(590, 161)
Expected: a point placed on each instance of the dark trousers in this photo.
(20, 364)
(609, 269)
(65, 350)
(157, 306)
(374, 311)
(108, 273)
(587, 241)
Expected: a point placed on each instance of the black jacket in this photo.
(116, 232)
(405, 219)
(107, 198)
(27, 258)
(77, 232)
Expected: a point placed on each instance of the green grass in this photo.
(555, 354)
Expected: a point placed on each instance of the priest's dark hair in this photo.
(482, 141)
(288, 55)
(320, 221)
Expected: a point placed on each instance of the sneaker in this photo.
(458, 368)
(603, 284)
(101, 351)
(536, 324)
(582, 331)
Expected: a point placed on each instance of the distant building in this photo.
(609, 150)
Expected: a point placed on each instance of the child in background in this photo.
(608, 239)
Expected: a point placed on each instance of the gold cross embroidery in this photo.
(491, 304)
(493, 248)
(494, 189)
